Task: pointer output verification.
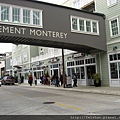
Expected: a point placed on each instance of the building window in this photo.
(19, 60)
(81, 23)
(36, 18)
(90, 61)
(16, 15)
(5, 13)
(25, 57)
(76, 4)
(84, 25)
(88, 26)
(10, 62)
(111, 2)
(51, 51)
(26, 16)
(14, 61)
(74, 24)
(114, 71)
(70, 63)
(114, 27)
(94, 26)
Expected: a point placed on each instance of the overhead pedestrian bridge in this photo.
(44, 24)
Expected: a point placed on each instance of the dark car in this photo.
(8, 80)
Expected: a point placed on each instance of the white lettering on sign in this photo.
(32, 32)
(48, 33)
(12, 30)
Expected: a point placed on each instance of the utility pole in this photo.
(63, 68)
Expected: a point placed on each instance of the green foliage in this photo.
(96, 77)
(47, 74)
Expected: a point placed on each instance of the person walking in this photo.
(35, 80)
(57, 80)
(61, 79)
(74, 80)
(30, 79)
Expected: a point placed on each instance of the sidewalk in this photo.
(87, 89)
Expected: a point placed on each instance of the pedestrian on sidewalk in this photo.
(30, 80)
(74, 80)
(35, 80)
(61, 79)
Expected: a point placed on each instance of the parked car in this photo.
(8, 80)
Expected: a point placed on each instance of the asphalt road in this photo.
(27, 100)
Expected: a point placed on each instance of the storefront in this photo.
(55, 66)
(84, 68)
(71, 29)
(114, 69)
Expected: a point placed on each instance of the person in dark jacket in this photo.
(61, 79)
(30, 79)
(75, 80)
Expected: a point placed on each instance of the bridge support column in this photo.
(63, 68)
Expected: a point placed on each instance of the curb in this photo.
(108, 92)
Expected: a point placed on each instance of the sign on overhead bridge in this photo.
(51, 25)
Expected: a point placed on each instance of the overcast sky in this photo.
(7, 47)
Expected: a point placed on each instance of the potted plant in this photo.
(97, 80)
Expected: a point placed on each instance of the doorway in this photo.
(55, 71)
(90, 70)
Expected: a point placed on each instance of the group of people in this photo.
(45, 80)
(54, 80)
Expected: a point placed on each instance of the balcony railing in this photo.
(48, 55)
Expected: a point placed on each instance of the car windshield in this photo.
(10, 77)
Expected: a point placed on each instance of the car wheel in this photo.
(12, 83)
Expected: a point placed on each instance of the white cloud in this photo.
(5, 47)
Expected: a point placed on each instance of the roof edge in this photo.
(99, 14)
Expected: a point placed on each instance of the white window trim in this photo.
(19, 60)
(11, 62)
(85, 32)
(113, 18)
(24, 46)
(110, 5)
(116, 61)
(21, 16)
(23, 57)
(19, 47)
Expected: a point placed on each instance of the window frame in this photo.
(25, 55)
(8, 13)
(110, 20)
(19, 58)
(110, 5)
(18, 16)
(26, 17)
(85, 29)
(21, 16)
